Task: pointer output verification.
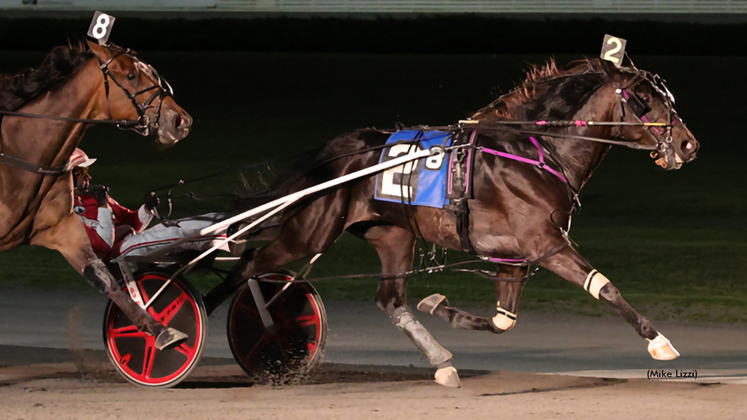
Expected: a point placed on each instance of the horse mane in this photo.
(547, 91)
(17, 90)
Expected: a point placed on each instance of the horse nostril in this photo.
(178, 121)
(689, 147)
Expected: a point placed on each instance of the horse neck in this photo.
(580, 158)
(79, 96)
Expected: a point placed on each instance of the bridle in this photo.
(162, 90)
(141, 125)
(629, 101)
(638, 107)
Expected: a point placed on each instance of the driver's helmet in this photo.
(80, 159)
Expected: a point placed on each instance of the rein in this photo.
(486, 125)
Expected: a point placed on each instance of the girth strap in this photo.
(462, 227)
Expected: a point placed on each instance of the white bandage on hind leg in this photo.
(423, 340)
(505, 320)
(594, 283)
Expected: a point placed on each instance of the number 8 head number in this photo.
(100, 27)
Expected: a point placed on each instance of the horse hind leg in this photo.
(395, 248)
(507, 294)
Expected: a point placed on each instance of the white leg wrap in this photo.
(505, 320)
(423, 340)
(594, 283)
(661, 349)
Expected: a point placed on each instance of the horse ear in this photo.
(100, 51)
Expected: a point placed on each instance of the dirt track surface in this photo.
(63, 391)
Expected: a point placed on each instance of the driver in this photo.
(116, 230)
(107, 222)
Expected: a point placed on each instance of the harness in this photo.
(459, 191)
(141, 125)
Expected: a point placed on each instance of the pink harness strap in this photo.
(540, 163)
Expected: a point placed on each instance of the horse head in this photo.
(644, 98)
(137, 92)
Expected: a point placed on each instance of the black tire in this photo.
(298, 345)
(133, 352)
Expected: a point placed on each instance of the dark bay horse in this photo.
(74, 87)
(525, 187)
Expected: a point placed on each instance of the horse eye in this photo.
(646, 98)
(131, 76)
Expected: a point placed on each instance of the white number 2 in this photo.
(613, 49)
(609, 56)
(388, 187)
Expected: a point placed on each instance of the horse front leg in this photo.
(570, 265)
(395, 248)
(507, 294)
(70, 239)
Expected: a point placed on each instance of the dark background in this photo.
(276, 86)
(658, 34)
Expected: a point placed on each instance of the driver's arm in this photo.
(136, 220)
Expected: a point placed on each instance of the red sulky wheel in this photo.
(297, 346)
(134, 352)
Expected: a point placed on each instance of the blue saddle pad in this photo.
(421, 182)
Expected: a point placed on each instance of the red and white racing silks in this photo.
(100, 223)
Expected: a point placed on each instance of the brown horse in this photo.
(524, 188)
(46, 112)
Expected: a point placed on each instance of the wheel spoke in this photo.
(249, 312)
(303, 321)
(130, 331)
(171, 310)
(262, 343)
(185, 350)
(150, 355)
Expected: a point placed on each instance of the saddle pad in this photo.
(421, 182)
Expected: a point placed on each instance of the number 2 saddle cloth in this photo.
(437, 181)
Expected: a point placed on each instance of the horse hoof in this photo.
(430, 303)
(661, 349)
(448, 377)
(169, 338)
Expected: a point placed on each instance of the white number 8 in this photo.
(99, 30)
(434, 162)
